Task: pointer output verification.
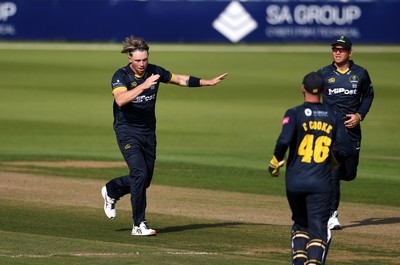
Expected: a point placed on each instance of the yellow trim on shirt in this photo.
(119, 88)
(139, 76)
(172, 78)
(343, 71)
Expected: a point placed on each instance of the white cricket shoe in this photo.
(143, 230)
(333, 222)
(109, 204)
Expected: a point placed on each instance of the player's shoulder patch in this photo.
(286, 120)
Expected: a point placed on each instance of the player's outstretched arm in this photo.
(191, 81)
(214, 81)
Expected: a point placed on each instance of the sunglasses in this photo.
(340, 50)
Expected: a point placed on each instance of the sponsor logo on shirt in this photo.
(320, 113)
(144, 98)
(117, 84)
(342, 90)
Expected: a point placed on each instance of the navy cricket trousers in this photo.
(347, 171)
(310, 213)
(139, 152)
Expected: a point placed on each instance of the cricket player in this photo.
(349, 91)
(315, 136)
(135, 88)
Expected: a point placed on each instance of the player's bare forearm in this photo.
(124, 97)
(183, 80)
(180, 80)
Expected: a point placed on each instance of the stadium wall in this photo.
(257, 21)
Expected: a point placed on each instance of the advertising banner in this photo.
(200, 21)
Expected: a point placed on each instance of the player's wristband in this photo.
(359, 116)
(194, 81)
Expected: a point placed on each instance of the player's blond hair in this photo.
(133, 43)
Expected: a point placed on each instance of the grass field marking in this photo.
(191, 253)
(298, 48)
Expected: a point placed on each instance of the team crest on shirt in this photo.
(354, 81)
(133, 84)
(308, 112)
(331, 80)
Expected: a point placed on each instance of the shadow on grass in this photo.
(374, 221)
(172, 229)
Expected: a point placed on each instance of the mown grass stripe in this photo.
(219, 48)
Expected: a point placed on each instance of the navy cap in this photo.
(344, 41)
(313, 83)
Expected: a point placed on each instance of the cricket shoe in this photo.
(109, 204)
(333, 222)
(143, 230)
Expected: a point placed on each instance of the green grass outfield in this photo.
(56, 105)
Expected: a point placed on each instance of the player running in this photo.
(135, 88)
(349, 91)
(315, 137)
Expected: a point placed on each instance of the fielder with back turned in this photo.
(316, 137)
